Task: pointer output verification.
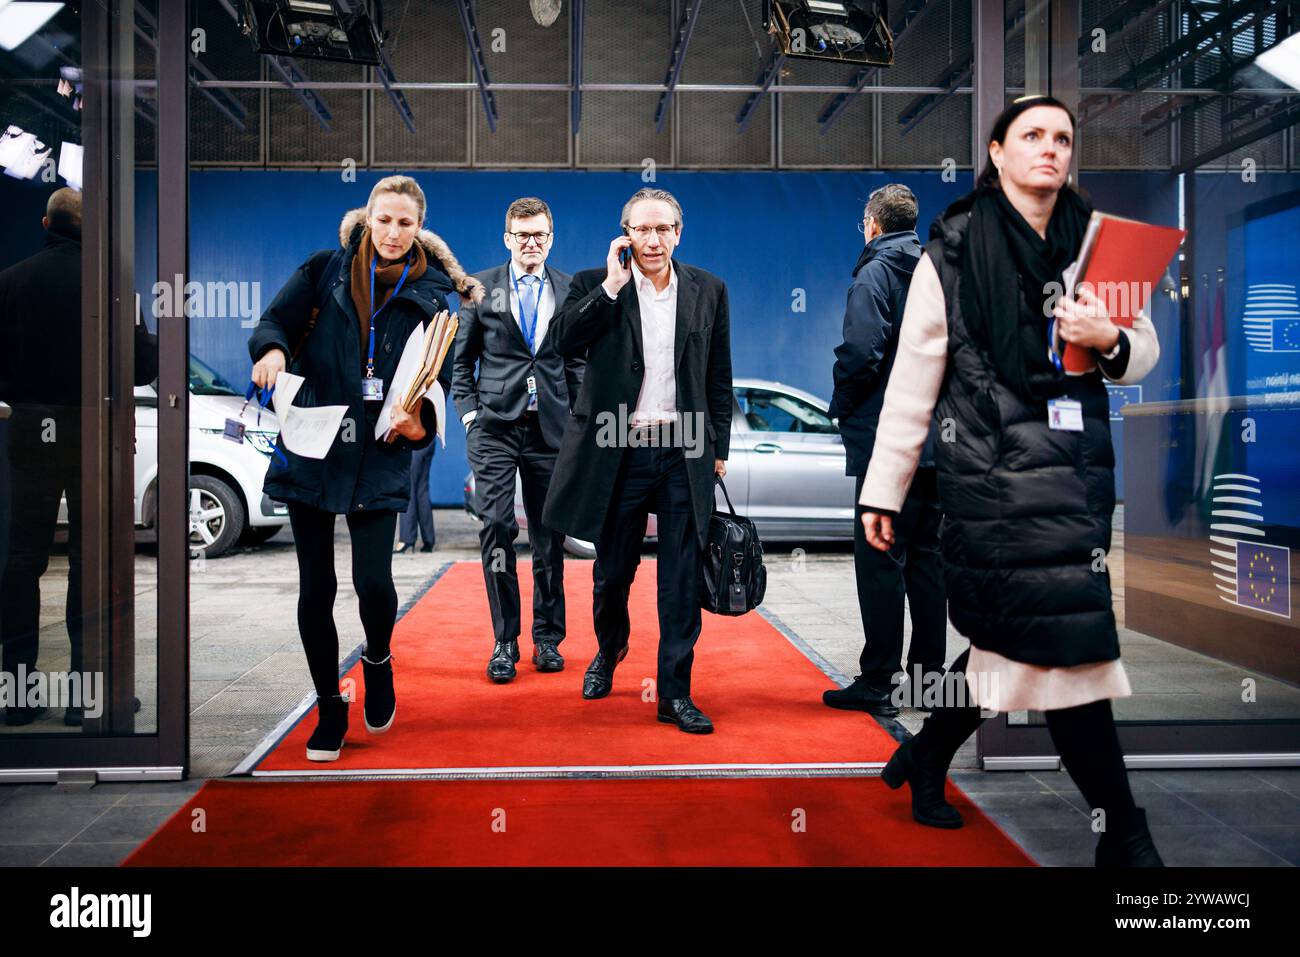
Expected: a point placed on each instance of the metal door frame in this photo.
(108, 317)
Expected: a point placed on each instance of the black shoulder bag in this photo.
(734, 578)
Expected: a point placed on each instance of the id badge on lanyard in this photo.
(372, 388)
(1065, 415)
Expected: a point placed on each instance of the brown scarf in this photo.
(385, 279)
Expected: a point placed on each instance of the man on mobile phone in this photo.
(650, 430)
(514, 415)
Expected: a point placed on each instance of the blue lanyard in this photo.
(370, 359)
(529, 327)
(263, 400)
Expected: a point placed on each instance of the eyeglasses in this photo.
(862, 225)
(523, 238)
(643, 232)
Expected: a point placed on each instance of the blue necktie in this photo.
(528, 310)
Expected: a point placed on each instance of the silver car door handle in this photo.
(767, 447)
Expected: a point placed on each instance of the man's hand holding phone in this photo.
(618, 265)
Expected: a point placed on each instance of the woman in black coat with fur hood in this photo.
(341, 322)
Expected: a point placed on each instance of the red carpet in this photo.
(696, 822)
(762, 693)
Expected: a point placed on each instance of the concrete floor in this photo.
(248, 672)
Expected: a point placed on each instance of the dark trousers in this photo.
(651, 479)
(419, 514)
(496, 457)
(912, 568)
(1085, 738)
(44, 464)
(372, 577)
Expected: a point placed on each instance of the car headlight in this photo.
(264, 442)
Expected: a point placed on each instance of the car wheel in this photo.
(260, 534)
(216, 516)
(578, 548)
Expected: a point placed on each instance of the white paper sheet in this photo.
(407, 366)
(305, 432)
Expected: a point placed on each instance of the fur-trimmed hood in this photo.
(435, 247)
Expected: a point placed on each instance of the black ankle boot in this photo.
(381, 701)
(326, 741)
(1128, 845)
(925, 773)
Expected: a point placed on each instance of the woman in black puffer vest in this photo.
(1027, 501)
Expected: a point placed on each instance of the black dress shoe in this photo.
(406, 547)
(860, 696)
(20, 715)
(501, 666)
(426, 548)
(381, 700)
(547, 657)
(926, 776)
(599, 679)
(74, 717)
(683, 713)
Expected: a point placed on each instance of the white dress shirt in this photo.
(545, 310)
(657, 401)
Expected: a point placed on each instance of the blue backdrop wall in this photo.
(784, 242)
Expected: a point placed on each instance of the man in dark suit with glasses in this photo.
(514, 414)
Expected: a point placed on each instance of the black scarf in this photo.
(1007, 275)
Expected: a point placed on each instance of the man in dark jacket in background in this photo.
(40, 377)
(913, 567)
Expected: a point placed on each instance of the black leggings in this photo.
(372, 577)
(1085, 737)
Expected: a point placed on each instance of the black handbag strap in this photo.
(718, 479)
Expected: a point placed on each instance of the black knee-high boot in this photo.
(1088, 743)
(923, 760)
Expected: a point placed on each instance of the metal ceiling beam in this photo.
(1284, 114)
(956, 75)
(292, 76)
(1224, 80)
(911, 14)
(1175, 57)
(577, 18)
(388, 77)
(827, 88)
(766, 77)
(1121, 22)
(469, 24)
(682, 40)
(232, 110)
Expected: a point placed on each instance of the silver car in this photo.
(785, 471)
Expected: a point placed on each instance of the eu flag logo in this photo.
(1286, 335)
(1264, 578)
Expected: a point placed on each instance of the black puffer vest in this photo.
(1027, 509)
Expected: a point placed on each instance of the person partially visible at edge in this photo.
(341, 322)
(1027, 502)
(40, 378)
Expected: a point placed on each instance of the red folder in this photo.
(1123, 261)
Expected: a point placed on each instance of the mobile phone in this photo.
(625, 254)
